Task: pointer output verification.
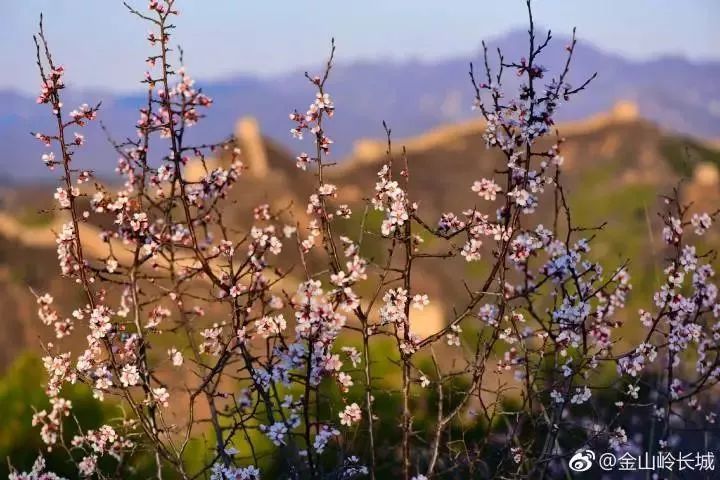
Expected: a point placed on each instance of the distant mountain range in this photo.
(411, 96)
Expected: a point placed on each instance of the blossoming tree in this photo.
(262, 344)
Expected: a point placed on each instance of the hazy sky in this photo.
(101, 45)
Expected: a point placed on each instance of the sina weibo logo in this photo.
(582, 461)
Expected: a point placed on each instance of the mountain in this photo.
(411, 96)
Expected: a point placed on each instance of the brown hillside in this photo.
(615, 167)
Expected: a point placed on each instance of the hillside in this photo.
(616, 166)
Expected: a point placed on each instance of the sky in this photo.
(102, 46)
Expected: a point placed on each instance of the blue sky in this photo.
(102, 46)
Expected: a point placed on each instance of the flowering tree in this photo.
(241, 351)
